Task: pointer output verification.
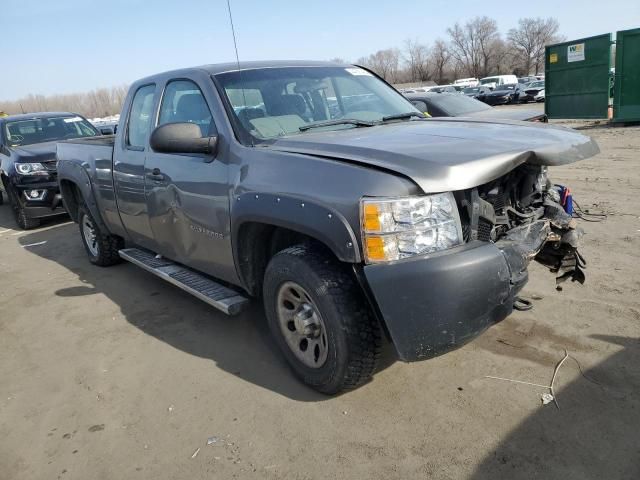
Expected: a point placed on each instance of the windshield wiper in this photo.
(340, 121)
(401, 116)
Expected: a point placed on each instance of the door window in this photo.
(183, 102)
(140, 117)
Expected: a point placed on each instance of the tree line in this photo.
(101, 102)
(473, 49)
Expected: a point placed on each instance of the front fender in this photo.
(302, 215)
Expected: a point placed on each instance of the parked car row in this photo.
(454, 105)
(496, 90)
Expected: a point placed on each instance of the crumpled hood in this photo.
(505, 114)
(446, 154)
(38, 152)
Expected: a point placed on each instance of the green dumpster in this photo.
(577, 78)
(626, 97)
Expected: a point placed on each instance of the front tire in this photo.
(102, 248)
(320, 319)
(19, 213)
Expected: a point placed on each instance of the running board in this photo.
(223, 298)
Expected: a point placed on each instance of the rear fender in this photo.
(70, 173)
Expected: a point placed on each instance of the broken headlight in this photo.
(395, 228)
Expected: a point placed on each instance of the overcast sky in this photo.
(63, 46)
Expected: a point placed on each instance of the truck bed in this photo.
(87, 163)
(86, 150)
(99, 140)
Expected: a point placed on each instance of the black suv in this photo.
(28, 161)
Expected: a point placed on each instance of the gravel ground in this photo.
(111, 373)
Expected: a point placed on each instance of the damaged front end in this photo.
(527, 218)
(432, 304)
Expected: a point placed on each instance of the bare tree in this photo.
(474, 45)
(503, 58)
(385, 63)
(529, 40)
(417, 60)
(440, 55)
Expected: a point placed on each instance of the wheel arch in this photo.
(264, 224)
(76, 188)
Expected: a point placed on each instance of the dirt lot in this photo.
(110, 373)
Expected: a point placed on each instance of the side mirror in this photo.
(182, 138)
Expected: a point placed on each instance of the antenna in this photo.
(235, 46)
(233, 32)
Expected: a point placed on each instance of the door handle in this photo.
(156, 175)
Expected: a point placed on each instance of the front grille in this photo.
(466, 231)
(471, 207)
(497, 201)
(484, 230)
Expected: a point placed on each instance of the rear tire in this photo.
(102, 248)
(339, 345)
(23, 221)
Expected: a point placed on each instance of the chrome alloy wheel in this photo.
(302, 326)
(89, 234)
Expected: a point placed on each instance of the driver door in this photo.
(187, 194)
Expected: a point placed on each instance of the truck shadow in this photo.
(594, 435)
(241, 345)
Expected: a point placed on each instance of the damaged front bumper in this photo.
(431, 305)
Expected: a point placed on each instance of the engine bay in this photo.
(527, 217)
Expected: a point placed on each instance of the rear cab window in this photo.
(140, 117)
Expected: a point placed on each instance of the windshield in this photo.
(536, 84)
(273, 102)
(40, 130)
(471, 90)
(458, 105)
(485, 81)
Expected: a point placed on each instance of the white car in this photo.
(467, 82)
(496, 80)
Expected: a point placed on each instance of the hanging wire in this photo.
(578, 212)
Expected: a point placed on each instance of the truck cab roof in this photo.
(217, 68)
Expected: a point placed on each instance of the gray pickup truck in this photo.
(321, 190)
